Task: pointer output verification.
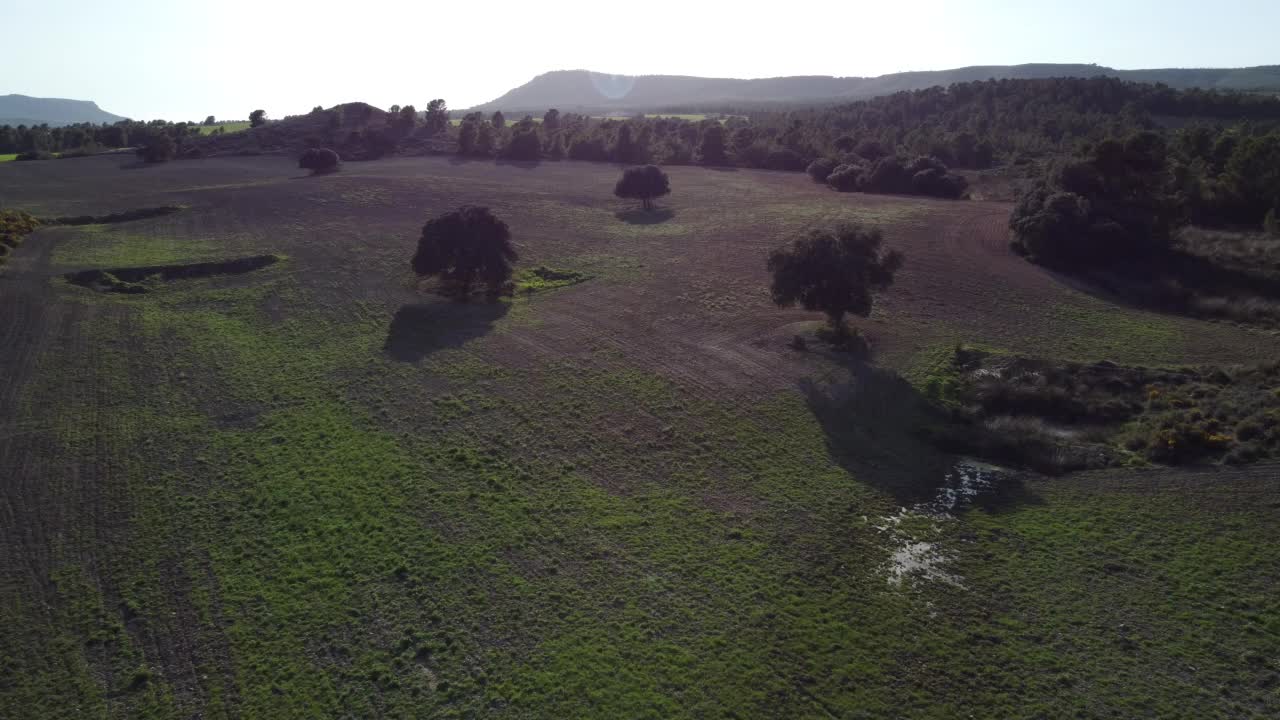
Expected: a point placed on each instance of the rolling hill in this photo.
(586, 90)
(26, 110)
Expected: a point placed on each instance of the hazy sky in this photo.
(185, 60)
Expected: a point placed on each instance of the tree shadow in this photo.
(469, 159)
(875, 424)
(420, 329)
(640, 216)
(721, 168)
(522, 164)
(1177, 283)
(138, 165)
(311, 175)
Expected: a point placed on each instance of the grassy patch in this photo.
(1092, 329)
(7, 157)
(227, 127)
(107, 246)
(1154, 604)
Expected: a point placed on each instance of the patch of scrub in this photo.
(916, 534)
(544, 278)
(126, 216)
(143, 279)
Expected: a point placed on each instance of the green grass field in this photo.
(8, 157)
(317, 491)
(230, 127)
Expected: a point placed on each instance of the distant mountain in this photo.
(585, 90)
(23, 110)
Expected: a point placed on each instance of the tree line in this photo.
(1120, 199)
(909, 142)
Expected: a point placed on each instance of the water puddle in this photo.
(914, 532)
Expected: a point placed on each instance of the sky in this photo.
(187, 60)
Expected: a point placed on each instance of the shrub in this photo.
(14, 225)
(319, 160)
(821, 169)
(888, 175)
(34, 155)
(847, 178)
(159, 148)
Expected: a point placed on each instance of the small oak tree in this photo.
(833, 271)
(645, 183)
(466, 246)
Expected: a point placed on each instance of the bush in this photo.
(821, 169)
(159, 148)
(34, 155)
(846, 178)
(888, 175)
(929, 176)
(14, 225)
(17, 223)
(319, 160)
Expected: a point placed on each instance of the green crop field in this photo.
(230, 127)
(681, 116)
(318, 490)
